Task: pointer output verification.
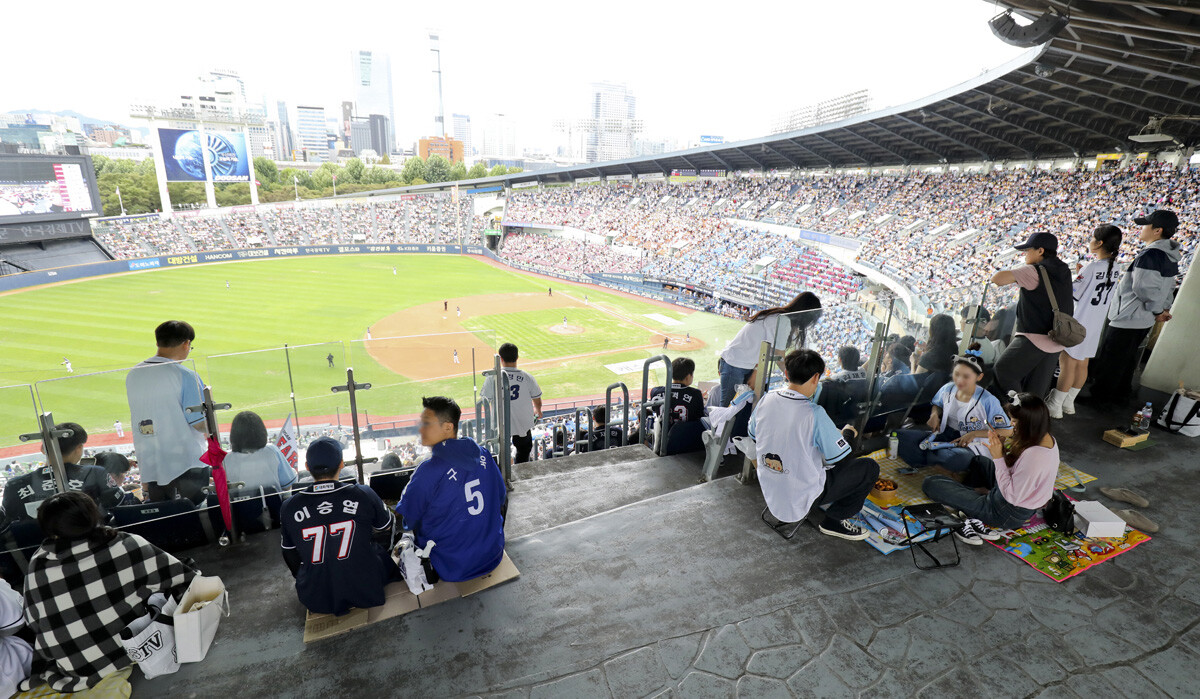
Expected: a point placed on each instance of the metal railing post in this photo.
(766, 353)
(666, 409)
(608, 411)
(352, 388)
(49, 437)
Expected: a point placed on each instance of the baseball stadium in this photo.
(843, 410)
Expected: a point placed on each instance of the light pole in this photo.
(335, 185)
(121, 201)
(296, 186)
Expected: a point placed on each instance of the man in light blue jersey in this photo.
(802, 457)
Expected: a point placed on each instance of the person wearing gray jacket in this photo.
(1142, 297)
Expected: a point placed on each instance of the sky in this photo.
(721, 69)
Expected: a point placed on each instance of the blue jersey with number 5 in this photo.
(455, 499)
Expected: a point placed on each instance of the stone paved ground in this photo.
(1125, 628)
(992, 627)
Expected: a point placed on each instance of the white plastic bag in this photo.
(410, 564)
(150, 639)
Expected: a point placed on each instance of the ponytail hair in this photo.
(73, 516)
(1109, 237)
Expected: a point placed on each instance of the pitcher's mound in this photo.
(560, 329)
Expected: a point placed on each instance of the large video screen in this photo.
(41, 188)
(184, 153)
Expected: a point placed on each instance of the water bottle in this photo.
(1147, 413)
(894, 446)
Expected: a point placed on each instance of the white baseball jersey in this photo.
(794, 440)
(742, 351)
(522, 389)
(15, 654)
(166, 444)
(1092, 290)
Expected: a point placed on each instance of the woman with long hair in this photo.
(783, 326)
(1005, 490)
(1093, 289)
(937, 354)
(252, 459)
(77, 624)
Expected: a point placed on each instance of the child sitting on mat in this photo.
(1004, 491)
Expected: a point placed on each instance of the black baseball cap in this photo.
(324, 455)
(1048, 241)
(1161, 218)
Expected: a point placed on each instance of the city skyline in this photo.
(719, 90)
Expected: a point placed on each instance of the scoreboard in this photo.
(38, 188)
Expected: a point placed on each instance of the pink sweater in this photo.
(1030, 482)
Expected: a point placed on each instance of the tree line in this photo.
(139, 188)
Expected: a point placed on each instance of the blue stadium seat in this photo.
(255, 510)
(171, 525)
(20, 541)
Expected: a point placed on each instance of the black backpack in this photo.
(1059, 513)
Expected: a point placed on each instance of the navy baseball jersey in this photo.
(330, 525)
(687, 402)
(454, 499)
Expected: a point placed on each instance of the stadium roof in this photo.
(1116, 65)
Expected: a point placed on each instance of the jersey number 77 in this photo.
(318, 534)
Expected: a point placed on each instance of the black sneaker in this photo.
(843, 529)
(968, 534)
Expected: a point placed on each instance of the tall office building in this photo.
(360, 136)
(311, 133)
(373, 87)
(231, 76)
(286, 145)
(613, 122)
(498, 138)
(825, 112)
(381, 134)
(462, 133)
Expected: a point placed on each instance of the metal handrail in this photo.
(608, 412)
(661, 446)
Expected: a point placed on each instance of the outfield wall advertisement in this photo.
(97, 269)
(184, 153)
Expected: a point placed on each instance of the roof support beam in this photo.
(864, 161)
(941, 156)
(806, 149)
(1121, 83)
(1121, 62)
(1056, 117)
(1086, 91)
(981, 132)
(753, 159)
(721, 160)
(903, 158)
(1015, 125)
(785, 156)
(1061, 98)
(964, 144)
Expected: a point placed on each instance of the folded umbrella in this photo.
(215, 457)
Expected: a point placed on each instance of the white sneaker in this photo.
(968, 534)
(1068, 404)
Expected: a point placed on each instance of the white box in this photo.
(1097, 521)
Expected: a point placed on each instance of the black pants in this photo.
(1025, 368)
(1115, 363)
(847, 486)
(524, 445)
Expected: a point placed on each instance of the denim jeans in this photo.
(992, 509)
(731, 376)
(950, 458)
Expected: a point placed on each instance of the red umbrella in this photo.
(215, 457)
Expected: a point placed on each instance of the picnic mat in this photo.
(885, 528)
(1060, 556)
(908, 487)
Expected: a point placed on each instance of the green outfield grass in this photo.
(318, 306)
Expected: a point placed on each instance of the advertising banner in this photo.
(184, 153)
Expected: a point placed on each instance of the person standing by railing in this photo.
(525, 400)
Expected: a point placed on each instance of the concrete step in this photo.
(606, 457)
(553, 499)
